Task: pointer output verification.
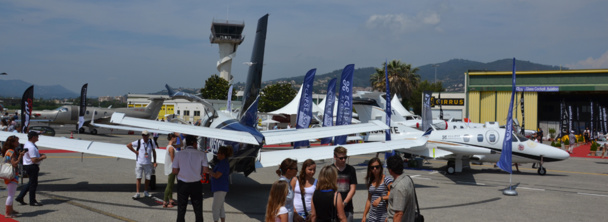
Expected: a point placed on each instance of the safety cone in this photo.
(71, 135)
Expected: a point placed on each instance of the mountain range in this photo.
(15, 89)
(450, 73)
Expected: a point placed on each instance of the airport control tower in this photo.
(228, 36)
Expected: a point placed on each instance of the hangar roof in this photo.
(560, 80)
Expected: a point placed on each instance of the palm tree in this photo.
(403, 80)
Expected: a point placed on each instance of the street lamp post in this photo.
(436, 65)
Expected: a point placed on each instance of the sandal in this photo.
(171, 205)
(165, 205)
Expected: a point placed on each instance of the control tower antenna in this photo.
(227, 35)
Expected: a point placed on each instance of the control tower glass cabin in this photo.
(228, 36)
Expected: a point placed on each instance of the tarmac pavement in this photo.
(76, 187)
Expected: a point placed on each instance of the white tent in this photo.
(292, 107)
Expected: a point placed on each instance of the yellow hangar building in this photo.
(488, 94)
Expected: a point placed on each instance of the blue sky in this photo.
(137, 46)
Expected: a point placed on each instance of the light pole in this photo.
(436, 65)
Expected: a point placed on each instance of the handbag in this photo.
(7, 171)
(417, 216)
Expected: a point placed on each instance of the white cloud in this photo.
(591, 63)
(402, 22)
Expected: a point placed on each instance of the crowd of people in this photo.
(295, 196)
(301, 197)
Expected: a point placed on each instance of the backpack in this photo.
(139, 145)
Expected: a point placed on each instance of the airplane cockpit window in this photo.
(480, 138)
(466, 138)
(62, 109)
(519, 137)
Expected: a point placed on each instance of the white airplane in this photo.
(399, 113)
(69, 114)
(240, 133)
(459, 146)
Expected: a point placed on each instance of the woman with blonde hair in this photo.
(325, 205)
(275, 209)
(11, 156)
(304, 186)
(378, 186)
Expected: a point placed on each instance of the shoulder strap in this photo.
(334, 213)
(416, 197)
(302, 193)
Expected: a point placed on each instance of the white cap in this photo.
(145, 132)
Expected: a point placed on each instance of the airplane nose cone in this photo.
(561, 154)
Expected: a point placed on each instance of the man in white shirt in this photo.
(189, 164)
(31, 162)
(145, 149)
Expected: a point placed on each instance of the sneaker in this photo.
(146, 194)
(136, 196)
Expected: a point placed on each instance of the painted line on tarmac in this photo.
(528, 188)
(591, 194)
(73, 203)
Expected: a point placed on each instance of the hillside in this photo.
(16, 88)
(451, 73)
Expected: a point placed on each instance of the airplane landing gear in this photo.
(451, 167)
(81, 130)
(542, 171)
(93, 131)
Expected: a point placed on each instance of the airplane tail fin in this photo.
(248, 115)
(428, 132)
(154, 107)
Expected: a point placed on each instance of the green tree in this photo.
(216, 88)
(416, 100)
(403, 80)
(276, 96)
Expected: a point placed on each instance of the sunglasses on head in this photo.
(342, 158)
(375, 167)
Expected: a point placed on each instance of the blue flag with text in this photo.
(505, 163)
(328, 113)
(304, 114)
(345, 101)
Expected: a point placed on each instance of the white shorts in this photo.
(143, 169)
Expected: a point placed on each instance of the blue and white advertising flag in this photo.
(305, 108)
(427, 115)
(83, 105)
(505, 162)
(345, 101)
(328, 115)
(523, 117)
(388, 109)
(605, 122)
(229, 100)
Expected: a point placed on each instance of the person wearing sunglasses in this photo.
(347, 180)
(378, 190)
(286, 172)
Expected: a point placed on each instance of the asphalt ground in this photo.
(76, 187)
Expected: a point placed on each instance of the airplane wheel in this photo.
(94, 131)
(542, 171)
(451, 167)
(81, 130)
(451, 170)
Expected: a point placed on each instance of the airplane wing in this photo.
(293, 135)
(84, 146)
(274, 158)
(108, 126)
(230, 135)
